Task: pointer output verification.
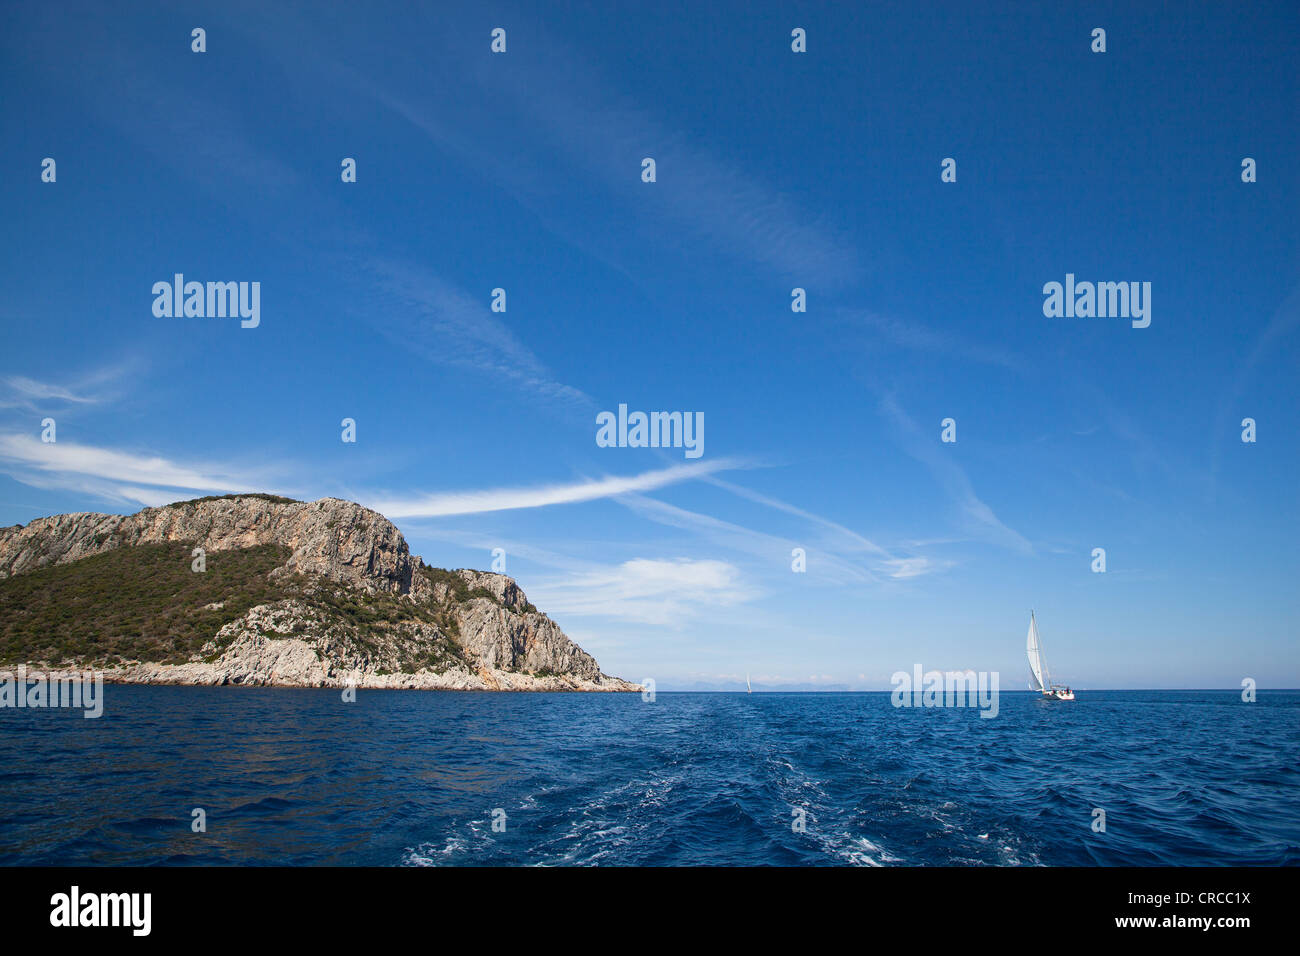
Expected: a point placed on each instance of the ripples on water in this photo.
(407, 777)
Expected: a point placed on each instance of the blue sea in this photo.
(418, 778)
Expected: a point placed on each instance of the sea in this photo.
(252, 776)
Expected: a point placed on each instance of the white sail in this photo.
(1038, 679)
(748, 688)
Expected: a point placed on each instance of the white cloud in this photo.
(979, 517)
(570, 108)
(20, 391)
(29, 389)
(650, 591)
(912, 335)
(111, 474)
(854, 540)
(770, 549)
(838, 559)
(445, 324)
(506, 499)
(908, 567)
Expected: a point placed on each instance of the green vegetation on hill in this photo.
(277, 499)
(138, 603)
(460, 589)
(144, 603)
(454, 582)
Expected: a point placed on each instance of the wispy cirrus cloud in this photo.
(913, 336)
(153, 479)
(444, 324)
(848, 538)
(834, 560)
(662, 592)
(717, 200)
(443, 504)
(111, 474)
(976, 514)
(169, 106)
(901, 568)
(583, 126)
(27, 392)
(94, 388)
(729, 207)
(1284, 321)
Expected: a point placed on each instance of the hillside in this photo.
(322, 593)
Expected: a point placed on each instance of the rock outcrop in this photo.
(504, 640)
(353, 605)
(337, 539)
(290, 644)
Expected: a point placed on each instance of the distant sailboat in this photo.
(748, 689)
(1039, 678)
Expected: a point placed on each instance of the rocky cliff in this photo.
(344, 603)
(337, 539)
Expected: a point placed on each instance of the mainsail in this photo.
(1038, 679)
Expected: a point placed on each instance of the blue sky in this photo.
(775, 170)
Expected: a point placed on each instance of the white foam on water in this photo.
(426, 855)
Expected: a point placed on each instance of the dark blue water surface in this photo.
(412, 777)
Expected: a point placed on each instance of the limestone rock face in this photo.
(503, 588)
(504, 642)
(337, 539)
(283, 645)
(521, 642)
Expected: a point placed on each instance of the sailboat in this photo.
(748, 689)
(1039, 678)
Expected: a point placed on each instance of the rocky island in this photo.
(257, 589)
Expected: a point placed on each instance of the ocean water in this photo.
(413, 778)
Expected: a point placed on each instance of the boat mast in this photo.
(1042, 658)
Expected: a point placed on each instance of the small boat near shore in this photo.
(1040, 679)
